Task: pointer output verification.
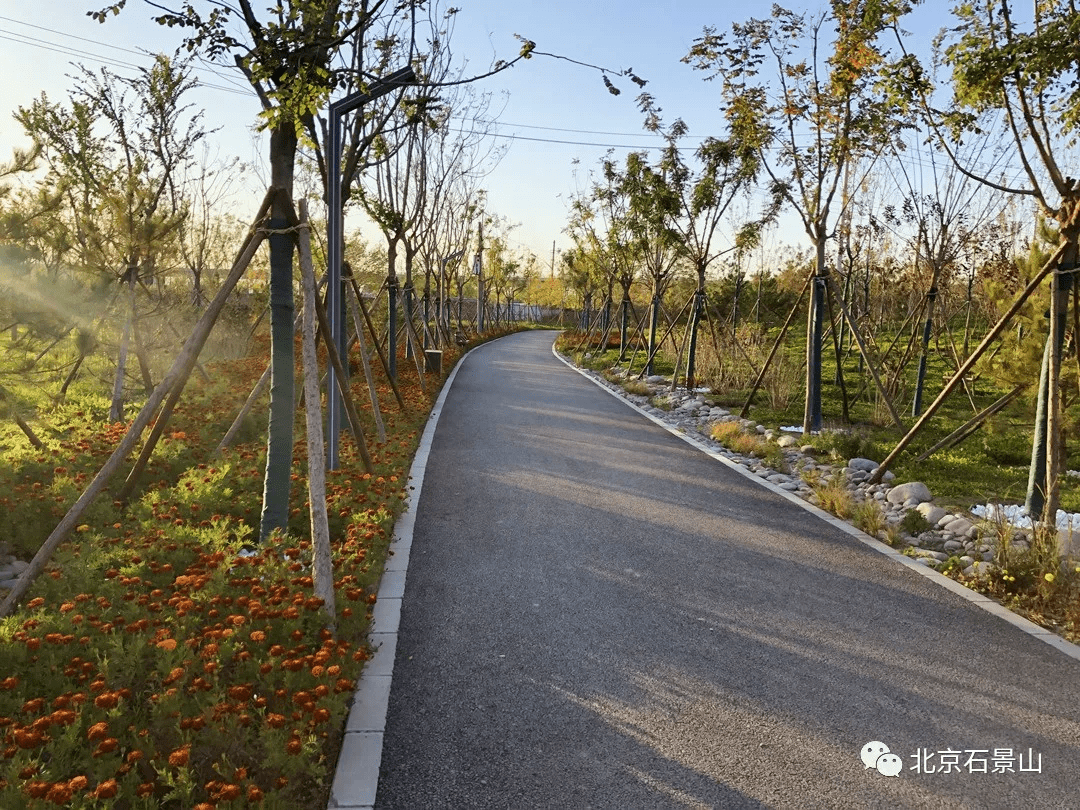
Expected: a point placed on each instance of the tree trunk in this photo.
(654, 316)
(814, 330)
(695, 322)
(116, 409)
(920, 378)
(277, 483)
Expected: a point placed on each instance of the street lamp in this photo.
(335, 243)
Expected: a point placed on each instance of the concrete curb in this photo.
(356, 777)
(984, 602)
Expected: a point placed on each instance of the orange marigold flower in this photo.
(144, 789)
(258, 635)
(36, 602)
(230, 792)
(106, 746)
(293, 746)
(26, 738)
(275, 720)
(107, 700)
(180, 756)
(9, 682)
(254, 793)
(59, 793)
(167, 644)
(107, 789)
(78, 783)
(33, 706)
(134, 756)
(37, 789)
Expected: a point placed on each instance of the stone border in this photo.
(922, 568)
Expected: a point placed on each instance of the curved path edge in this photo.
(356, 777)
(982, 601)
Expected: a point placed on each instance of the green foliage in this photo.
(833, 496)
(914, 523)
(868, 517)
(843, 445)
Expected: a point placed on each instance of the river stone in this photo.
(932, 513)
(914, 490)
(863, 464)
(787, 441)
(958, 526)
(953, 545)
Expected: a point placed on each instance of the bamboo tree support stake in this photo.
(1061, 280)
(163, 417)
(335, 360)
(234, 428)
(660, 342)
(991, 336)
(866, 355)
(375, 340)
(373, 395)
(776, 345)
(638, 337)
(679, 361)
(177, 375)
(839, 361)
(412, 343)
(249, 403)
(973, 424)
(322, 565)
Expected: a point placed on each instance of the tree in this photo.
(1022, 74)
(113, 153)
(819, 117)
(651, 213)
(289, 57)
(725, 171)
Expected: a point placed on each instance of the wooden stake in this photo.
(373, 395)
(990, 337)
(176, 376)
(322, 565)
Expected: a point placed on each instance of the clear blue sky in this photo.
(548, 100)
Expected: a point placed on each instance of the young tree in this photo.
(112, 154)
(812, 122)
(292, 58)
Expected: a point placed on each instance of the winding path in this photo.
(598, 615)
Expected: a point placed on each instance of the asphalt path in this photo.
(598, 615)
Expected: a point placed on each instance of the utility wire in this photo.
(34, 42)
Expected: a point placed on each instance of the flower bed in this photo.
(165, 660)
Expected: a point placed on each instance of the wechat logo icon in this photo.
(876, 755)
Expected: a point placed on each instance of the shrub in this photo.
(868, 517)
(915, 523)
(834, 497)
(639, 387)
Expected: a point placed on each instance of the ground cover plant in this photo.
(167, 660)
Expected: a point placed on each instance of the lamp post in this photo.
(335, 242)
